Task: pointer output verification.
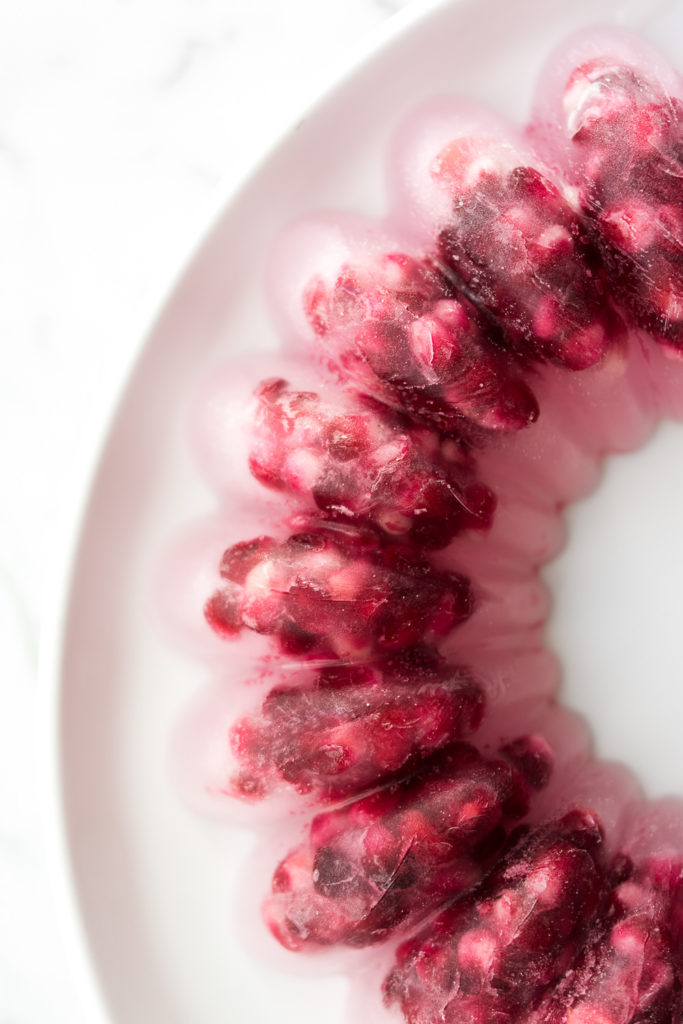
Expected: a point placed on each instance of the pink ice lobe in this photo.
(619, 142)
(508, 233)
(358, 461)
(627, 970)
(381, 863)
(351, 728)
(394, 325)
(336, 593)
(530, 916)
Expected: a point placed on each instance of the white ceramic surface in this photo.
(153, 887)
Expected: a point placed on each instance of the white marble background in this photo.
(118, 118)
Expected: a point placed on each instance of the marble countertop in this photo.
(118, 119)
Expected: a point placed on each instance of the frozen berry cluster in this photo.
(390, 858)
(401, 330)
(629, 968)
(365, 463)
(516, 242)
(626, 133)
(354, 725)
(492, 954)
(337, 593)
(534, 264)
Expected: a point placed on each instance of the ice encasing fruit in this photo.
(383, 862)
(362, 462)
(353, 726)
(493, 953)
(332, 592)
(628, 969)
(508, 234)
(617, 134)
(391, 322)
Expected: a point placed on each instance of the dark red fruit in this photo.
(523, 253)
(398, 329)
(491, 956)
(627, 158)
(355, 726)
(337, 593)
(629, 972)
(362, 462)
(384, 862)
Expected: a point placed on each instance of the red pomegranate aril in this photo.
(382, 863)
(238, 560)
(533, 758)
(354, 726)
(337, 593)
(360, 462)
(395, 326)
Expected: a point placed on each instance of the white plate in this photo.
(150, 884)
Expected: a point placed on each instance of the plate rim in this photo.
(68, 533)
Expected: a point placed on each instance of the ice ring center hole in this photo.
(617, 620)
